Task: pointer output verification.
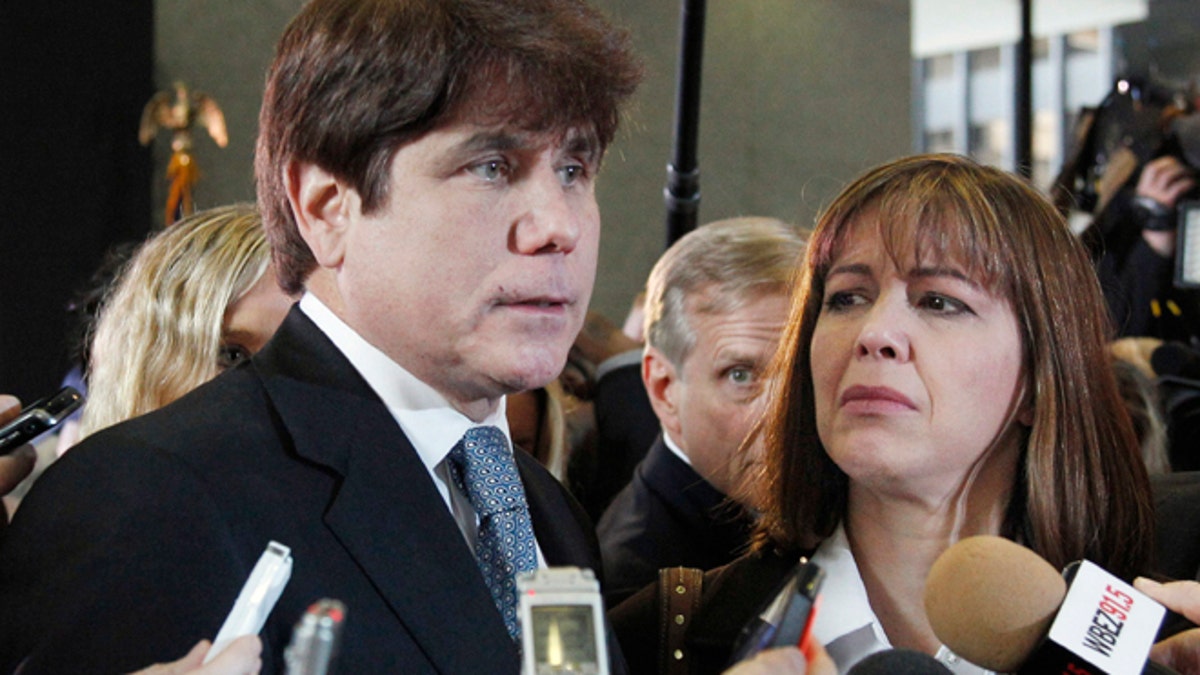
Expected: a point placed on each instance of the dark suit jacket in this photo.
(135, 545)
(732, 595)
(667, 516)
(626, 426)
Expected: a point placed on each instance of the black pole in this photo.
(1023, 94)
(682, 193)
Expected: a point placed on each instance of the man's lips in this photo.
(536, 303)
(865, 399)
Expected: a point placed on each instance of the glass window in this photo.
(989, 141)
(1084, 41)
(985, 59)
(939, 140)
(940, 67)
(1041, 49)
(1045, 147)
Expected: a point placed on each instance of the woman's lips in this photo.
(874, 400)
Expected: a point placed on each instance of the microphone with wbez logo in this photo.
(1001, 606)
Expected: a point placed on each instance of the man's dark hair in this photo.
(354, 80)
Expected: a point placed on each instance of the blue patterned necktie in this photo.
(483, 467)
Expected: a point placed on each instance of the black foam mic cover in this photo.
(899, 662)
(1176, 358)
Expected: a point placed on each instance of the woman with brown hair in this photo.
(944, 374)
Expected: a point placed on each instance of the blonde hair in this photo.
(1145, 409)
(729, 261)
(158, 335)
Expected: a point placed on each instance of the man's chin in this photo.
(531, 371)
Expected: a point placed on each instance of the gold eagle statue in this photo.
(178, 111)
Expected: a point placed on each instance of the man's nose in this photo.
(552, 219)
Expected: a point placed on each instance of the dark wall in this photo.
(797, 98)
(73, 179)
(1165, 45)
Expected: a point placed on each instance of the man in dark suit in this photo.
(426, 173)
(624, 420)
(716, 305)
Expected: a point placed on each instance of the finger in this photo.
(15, 466)
(240, 657)
(1182, 597)
(1159, 177)
(1180, 653)
(1164, 164)
(9, 407)
(1178, 185)
(820, 663)
(773, 661)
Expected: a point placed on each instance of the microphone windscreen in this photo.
(991, 601)
(1186, 128)
(899, 662)
(1175, 358)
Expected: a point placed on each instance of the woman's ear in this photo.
(1025, 408)
(323, 207)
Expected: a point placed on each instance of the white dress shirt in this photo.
(431, 424)
(845, 623)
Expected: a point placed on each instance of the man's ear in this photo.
(323, 207)
(662, 386)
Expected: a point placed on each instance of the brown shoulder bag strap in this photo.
(679, 596)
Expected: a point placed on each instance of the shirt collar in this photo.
(845, 607)
(431, 424)
(674, 448)
(846, 624)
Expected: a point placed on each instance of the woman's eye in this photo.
(943, 304)
(843, 299)
(230, 355)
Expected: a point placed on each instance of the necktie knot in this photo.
(487, 472)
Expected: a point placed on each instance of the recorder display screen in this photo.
(564, 639)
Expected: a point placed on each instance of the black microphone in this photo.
(1176, 359)
(899, 662)
(1001, 606)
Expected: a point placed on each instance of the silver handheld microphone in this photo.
(315, 639)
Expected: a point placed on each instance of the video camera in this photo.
(1137, 121)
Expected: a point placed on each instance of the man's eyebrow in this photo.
(575, 142)
(493, 140)
(583, 143)
(741, 356)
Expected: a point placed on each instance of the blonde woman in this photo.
(195, 299)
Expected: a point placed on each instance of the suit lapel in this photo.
(558, 526)
(387, 514)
